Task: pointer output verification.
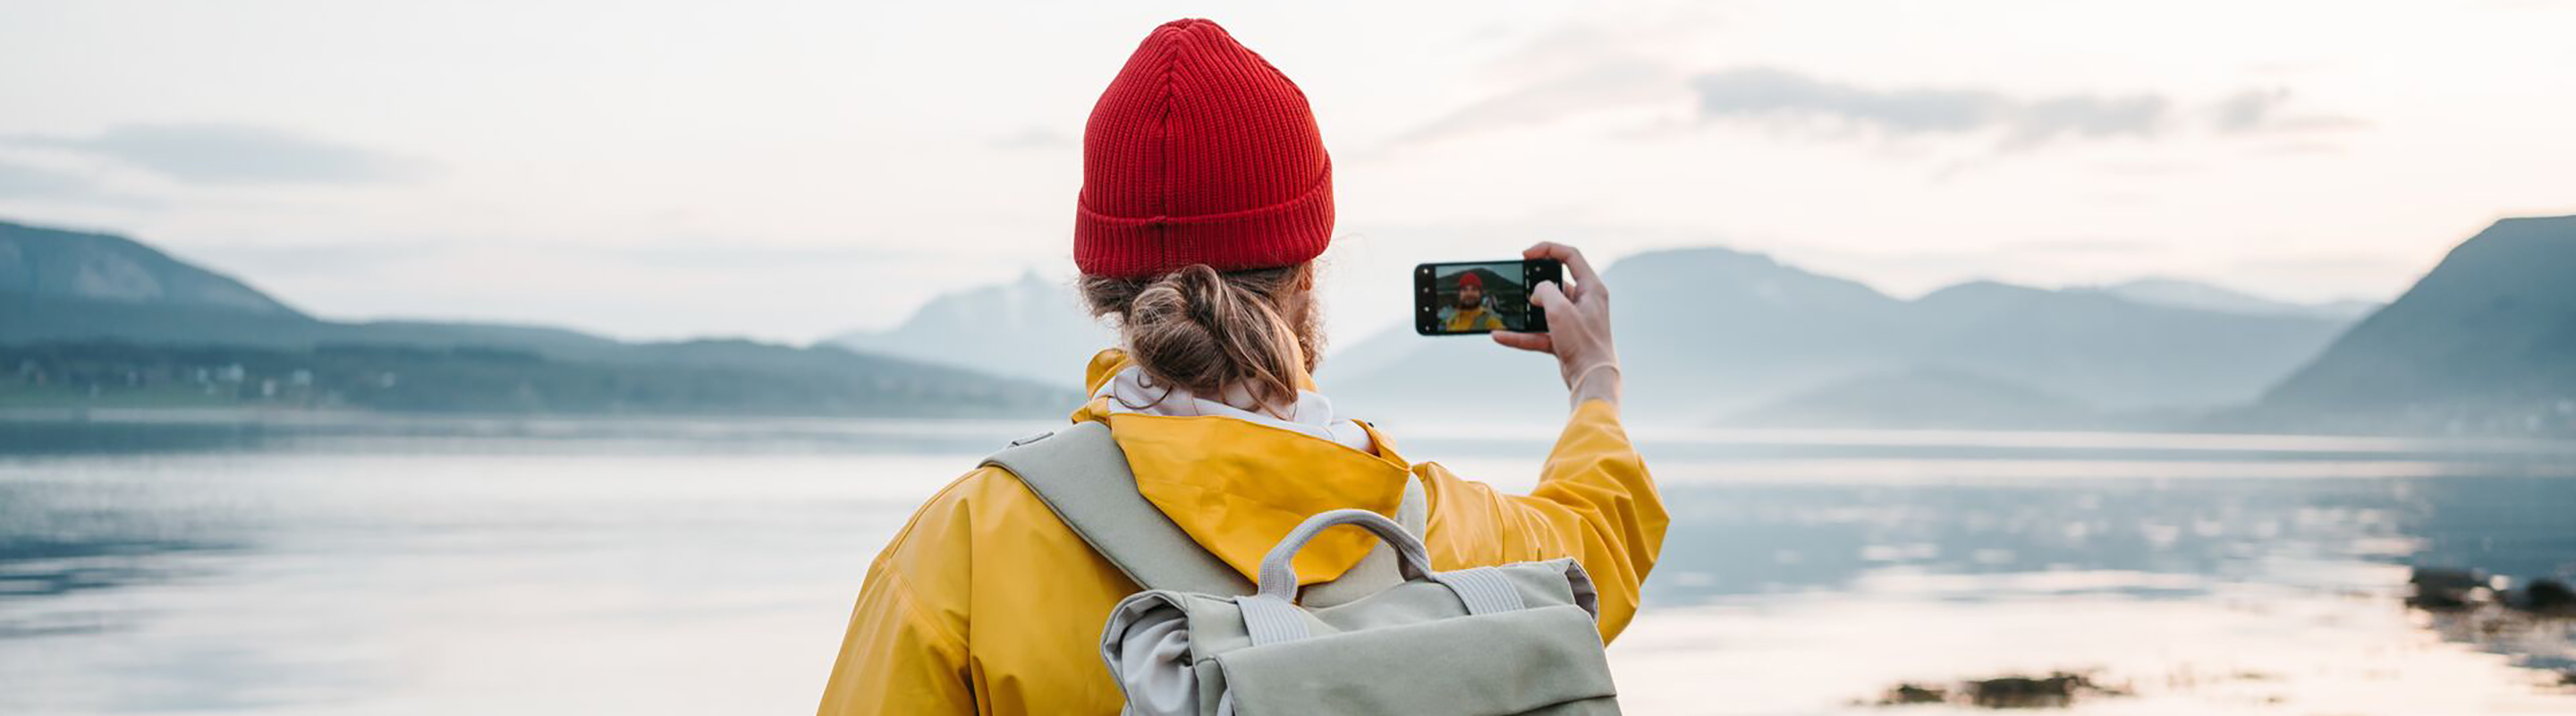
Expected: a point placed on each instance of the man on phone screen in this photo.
(1470, 314)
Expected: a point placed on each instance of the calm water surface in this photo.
(160, 564)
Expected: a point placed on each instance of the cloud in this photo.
(2247, 110)
(58, 188)
(1607, 60)
(235, 154)
(2261, 110)
(1562, 85)
(1788, 98)
(19, 180)
(1612, 84)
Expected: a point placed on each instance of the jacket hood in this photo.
(1237, 487)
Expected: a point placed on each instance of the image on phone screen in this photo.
(1470, 297)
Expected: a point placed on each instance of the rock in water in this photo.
(2548, 596)
(2444, 589)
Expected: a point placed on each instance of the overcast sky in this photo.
(788, 170)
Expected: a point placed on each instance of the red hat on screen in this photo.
(1200, 153)
(1470, 279)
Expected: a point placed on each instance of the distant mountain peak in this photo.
(1715, 262)
(2197, 295)
(1029, 327)
(2485, 342)
(1707, 253)
(65, 264)
(1984, 287)
(1984, 294)
(2552, 223)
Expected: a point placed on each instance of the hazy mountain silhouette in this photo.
(1030, 328)
(2106, 351)
(1713, 333)
(70, 285)
(100, 297)
(1921, 398)
(1683, 316)
(2178, 293)
(2485, 343)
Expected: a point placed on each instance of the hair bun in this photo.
(1210, 332)
(1176, 329)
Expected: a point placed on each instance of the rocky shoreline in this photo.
(2532, 621)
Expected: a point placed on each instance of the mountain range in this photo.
(98, 311)
(2485, 343)
(1716, 335)
(1730, 337)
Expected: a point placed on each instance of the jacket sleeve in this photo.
(904, 653)
(1594, 502)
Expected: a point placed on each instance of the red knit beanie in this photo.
(1200, 153)
(1469, 279)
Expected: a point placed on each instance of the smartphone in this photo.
(1470, 297)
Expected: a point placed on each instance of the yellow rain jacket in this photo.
(986, 603)
(1475, 319)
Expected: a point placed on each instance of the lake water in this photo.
(154, 563)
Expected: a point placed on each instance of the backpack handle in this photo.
(1279, 573)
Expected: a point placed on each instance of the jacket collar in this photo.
(1236, 487)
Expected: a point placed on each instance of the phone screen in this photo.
(1469, 297)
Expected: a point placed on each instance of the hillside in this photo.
(2484, 343)
(78, 266)
(483, 380)
(93, 318)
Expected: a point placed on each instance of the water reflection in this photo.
(1745, 539)
(62, 536)
(707, 566)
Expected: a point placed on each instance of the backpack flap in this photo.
(1536, 660)
(1518, 638)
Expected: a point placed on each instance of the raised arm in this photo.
(1595, 501)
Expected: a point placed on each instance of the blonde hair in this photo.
(1211, 332)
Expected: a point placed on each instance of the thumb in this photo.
(1551, 297)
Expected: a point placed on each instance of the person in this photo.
(1206, 198)
(1470, 313)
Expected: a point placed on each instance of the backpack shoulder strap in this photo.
(1080, 473)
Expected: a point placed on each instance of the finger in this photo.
(1539, 342)
(1585, 281)
(1551, 298)
(1551, 250)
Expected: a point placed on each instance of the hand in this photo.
(1578, 324)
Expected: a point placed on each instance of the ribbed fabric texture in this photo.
(1200, 152)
